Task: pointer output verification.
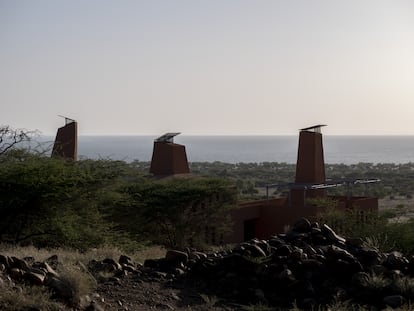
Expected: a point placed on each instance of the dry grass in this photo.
(78, 282)
(21, 297)
(152, 252)
(68, 256)
(73, 274)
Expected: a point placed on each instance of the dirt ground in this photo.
(401, 206)
(132, 293)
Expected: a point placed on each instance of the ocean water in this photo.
(236, 149)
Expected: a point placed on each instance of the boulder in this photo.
(6, 261)
(20, 264)
(303, 225)
(125, 260)
(394, 301)
(34, 278)
(175, 257)
(396, 261)
(331, 235)
(61, 288)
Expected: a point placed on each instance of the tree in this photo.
(10, 137)
(177, 212)
(52, 202)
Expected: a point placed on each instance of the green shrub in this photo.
(176, 212)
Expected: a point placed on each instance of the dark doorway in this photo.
(250, 229)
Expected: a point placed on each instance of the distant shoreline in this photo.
(250, 149)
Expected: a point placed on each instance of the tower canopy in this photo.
(315, 128)
(67, 120)
(167, 138)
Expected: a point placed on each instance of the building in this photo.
(263, 218)
(168, 158)
(66, 142)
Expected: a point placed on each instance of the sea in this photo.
(251, 149)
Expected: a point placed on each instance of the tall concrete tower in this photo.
(168, 158)
(310, 165)
(66, 142)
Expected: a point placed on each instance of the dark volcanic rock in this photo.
(311, 266)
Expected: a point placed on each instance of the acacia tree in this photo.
(177, 212)
(10, 137)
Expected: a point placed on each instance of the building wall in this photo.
(66, 142)
(310, 165)
(169, 159)
(275, 215)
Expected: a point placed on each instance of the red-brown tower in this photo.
(310, 165)
(66, 142)
(168, 158)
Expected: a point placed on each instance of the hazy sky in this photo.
(208, 66)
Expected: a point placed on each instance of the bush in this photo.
(176, 212)
(51, 202)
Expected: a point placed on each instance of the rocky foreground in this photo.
(309, 267)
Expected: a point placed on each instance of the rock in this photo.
(53, 262)
(111, 265)
(114, 280)
(354, 242)
(331, 235)
(20, 264)
(125, 260)
(264, 245)
(44, 266)
(178, 271)
(368, 256)
(128, 268)
(276, 242)
(29, 259)
(336, 252)
(255, 250)
(297, 254)
(197, 255)
(158, 264)
(396, 261)
(236, 263)
(34, 278)
(302, 226)
(286, 276)
(309, 250)
(394, 301)
(6, 261)
(283, 250)
(176, 257)
(120, 273)
(16, 274)
(94, 306)
(61, 288)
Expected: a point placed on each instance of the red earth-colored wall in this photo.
(310, 166)
(66, 142)
(270, 217)
(169, 159)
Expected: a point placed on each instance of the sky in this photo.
(208, 67)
